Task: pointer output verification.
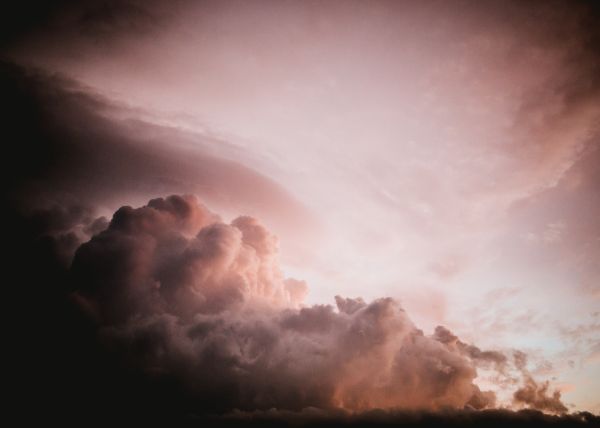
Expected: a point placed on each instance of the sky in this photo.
(444, 154)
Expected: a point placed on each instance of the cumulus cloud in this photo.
(174, 256)
(538, 396)
(205, 297)
(498, 359)
(533, 394)
(175, 291)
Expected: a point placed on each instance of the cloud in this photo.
(175, 292)
(445, 336)
(537, 396)
(174, 256)
(532, 394)
(171, 307)
(178, 289)
(96, 21)
(90, 152)
(73, 157)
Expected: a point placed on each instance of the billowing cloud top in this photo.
(174, 256)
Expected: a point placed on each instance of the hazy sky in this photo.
(443, 153)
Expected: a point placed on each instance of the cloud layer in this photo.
(74, 147)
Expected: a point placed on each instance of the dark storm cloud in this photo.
(67, 146)
(67, 157)
(64, 228)
(98, 21)
(569, 96)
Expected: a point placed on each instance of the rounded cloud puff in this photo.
(174, 256)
